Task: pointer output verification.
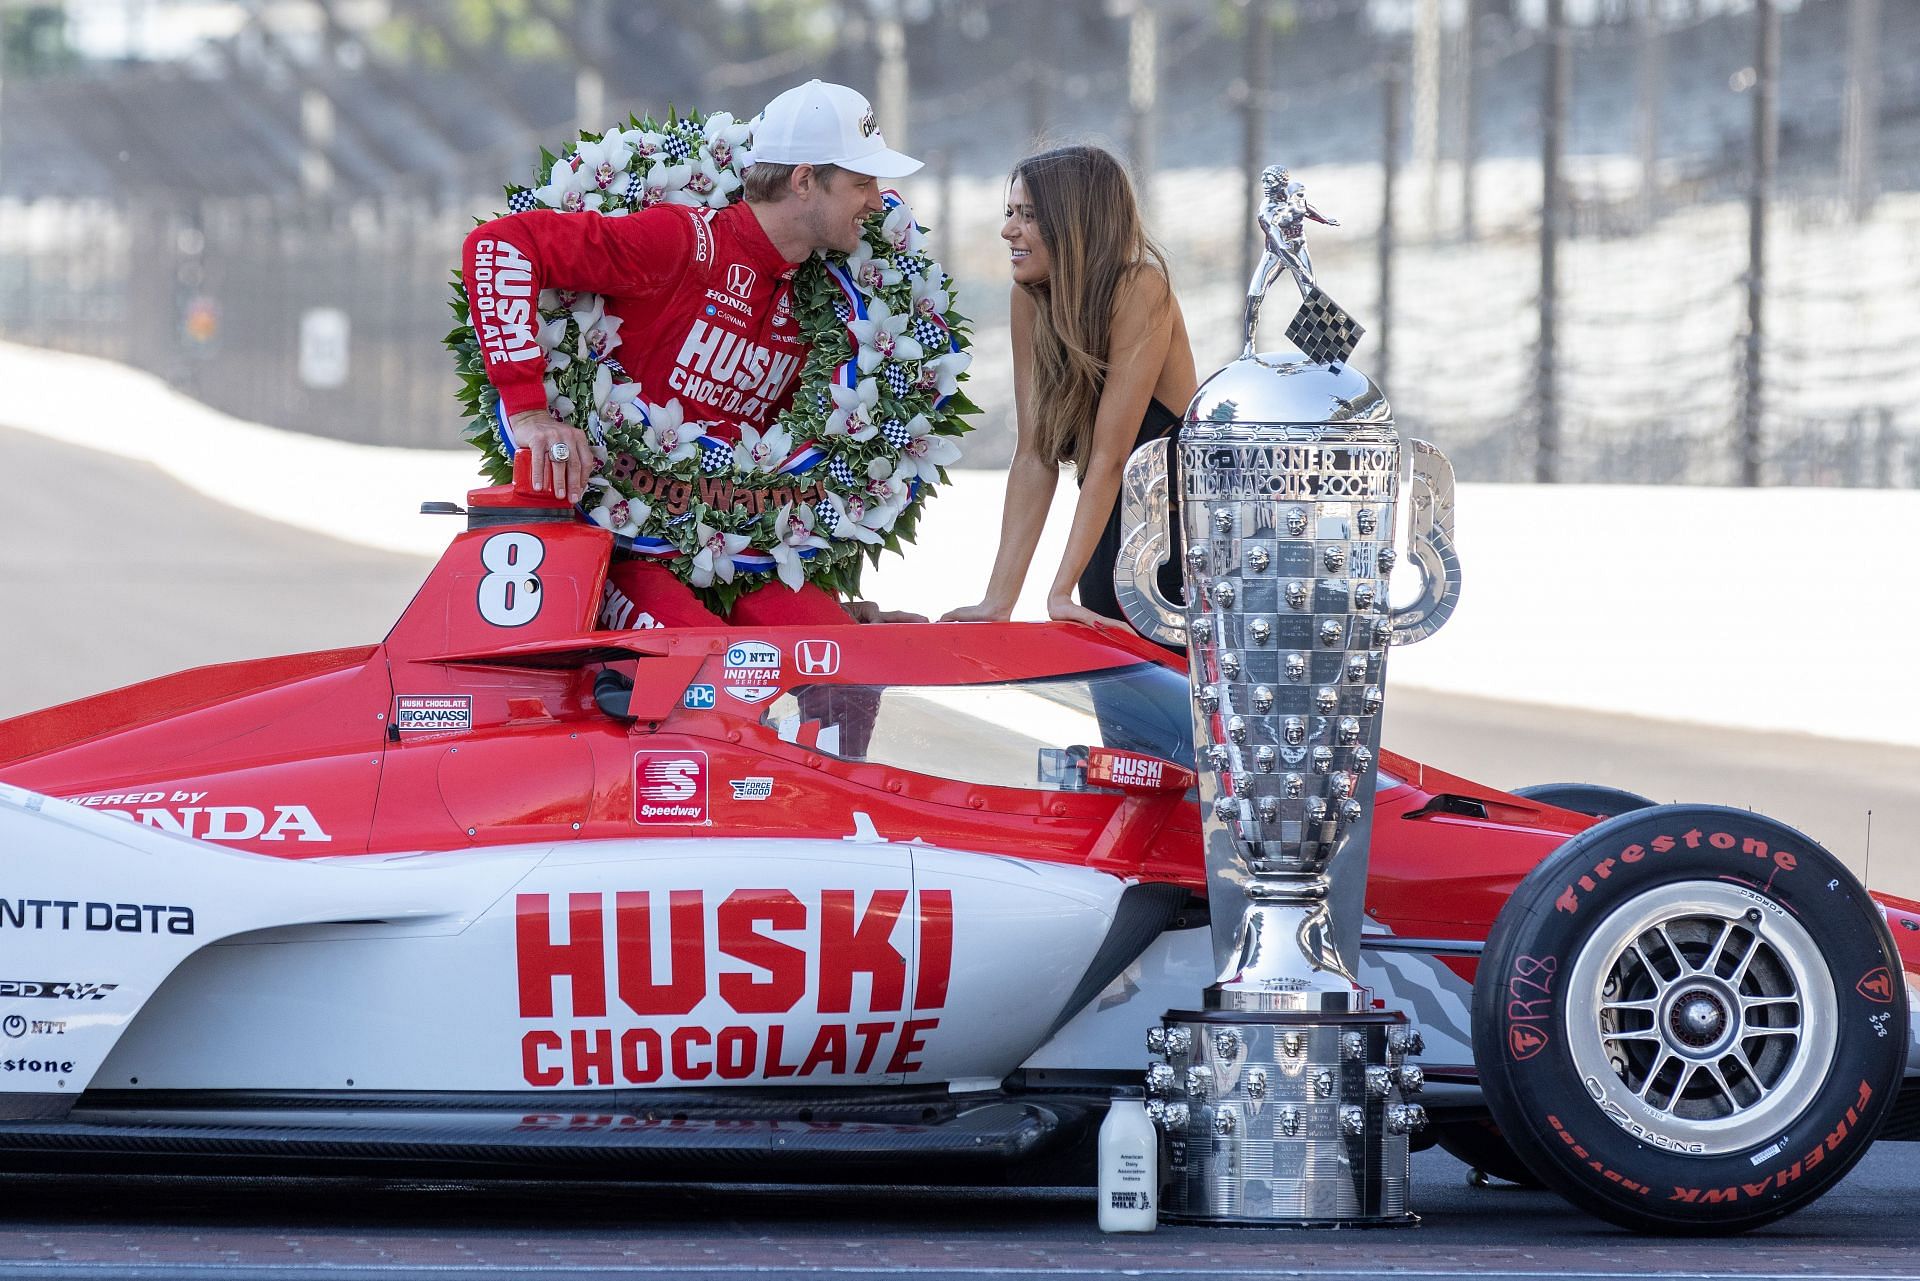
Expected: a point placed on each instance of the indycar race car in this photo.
(508, 891)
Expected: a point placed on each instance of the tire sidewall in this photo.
(1522, 1011)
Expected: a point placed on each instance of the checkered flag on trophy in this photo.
(1322, 329)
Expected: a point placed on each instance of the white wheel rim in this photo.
(1700, 1017)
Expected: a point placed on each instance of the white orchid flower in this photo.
(851, 515)
(888, 495)
(883, 336)
(926, 451)
(669, 432)
(564, 187)
(712, 184)
(871, 273)
(617, 512)
(552, 333)
(762, 450)
(646, 143)
(664, 183)
(615, 405)
(902, 232)
(929, 299)
(598, 342)
(713, 557)
(793, 533)
(602, 165)
(853, 411)
(727, 140)
(941, 375)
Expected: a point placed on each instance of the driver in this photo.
(705, 298)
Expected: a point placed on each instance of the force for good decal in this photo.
(670, 787)
(751, 789)
(752, 671)
(436, 713)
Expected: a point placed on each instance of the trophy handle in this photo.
(1430, 544)
(1143, 548)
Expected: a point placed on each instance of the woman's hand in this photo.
(866, 611)
(1062, 608)
(981, 613)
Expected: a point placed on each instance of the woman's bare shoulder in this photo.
(1143, 301)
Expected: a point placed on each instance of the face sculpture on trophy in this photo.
(1283, 1097)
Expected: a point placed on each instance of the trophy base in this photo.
(1272, 1119)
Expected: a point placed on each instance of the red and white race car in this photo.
(888, 901)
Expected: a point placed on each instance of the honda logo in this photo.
(739, 280)
(817, 657)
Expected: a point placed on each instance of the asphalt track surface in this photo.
(112, 573)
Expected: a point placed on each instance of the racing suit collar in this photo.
(756, 248)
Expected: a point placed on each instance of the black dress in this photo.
(1096, 582)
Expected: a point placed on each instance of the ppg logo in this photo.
(817, 657)
(699, 698)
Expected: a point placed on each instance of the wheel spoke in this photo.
(1680, 1087)
(1719, 947)
(1653, 1073)
(1680, 966)
(1638, 1034)
(1739, 1055)
(1748, 1003)
(1719, 1079)
(1740, 971)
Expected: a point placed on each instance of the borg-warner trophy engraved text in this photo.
(1283, 1096)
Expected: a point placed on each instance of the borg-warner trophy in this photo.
(1282, 1100)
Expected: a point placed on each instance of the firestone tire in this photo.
(1586, 798)
(1690, 1019)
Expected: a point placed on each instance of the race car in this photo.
(509, 891)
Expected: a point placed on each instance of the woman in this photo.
(1101, 365)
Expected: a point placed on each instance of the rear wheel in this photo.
(1690, 1019)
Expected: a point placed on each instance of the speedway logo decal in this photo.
(676, 987)
(751, 672)
(183, 814)
(670, 787)
(435, 713)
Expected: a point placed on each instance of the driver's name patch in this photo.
(751, 672)
(432, 713)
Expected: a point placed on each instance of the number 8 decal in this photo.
(510, 593)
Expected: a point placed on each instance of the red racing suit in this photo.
(705, 303)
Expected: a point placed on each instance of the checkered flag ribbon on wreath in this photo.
(1322, 329)
(521, 200)
(928, 334)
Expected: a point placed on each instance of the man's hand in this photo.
(865, 611)
(537, 430)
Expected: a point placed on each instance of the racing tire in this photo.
(1586, 798)
(1690, 1020)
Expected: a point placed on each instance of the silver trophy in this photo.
(1283, 1099)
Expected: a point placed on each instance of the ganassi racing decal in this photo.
(752, 671)
(670, 787)
(440, 713)
(648, 987)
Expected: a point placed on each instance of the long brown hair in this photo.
(1091, 226)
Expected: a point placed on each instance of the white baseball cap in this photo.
(826, 124)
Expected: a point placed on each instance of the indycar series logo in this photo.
(763, 984)
(432, 713)
(670, 787)
(751, 672)
(72, 914)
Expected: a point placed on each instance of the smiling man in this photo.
(705, 300)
